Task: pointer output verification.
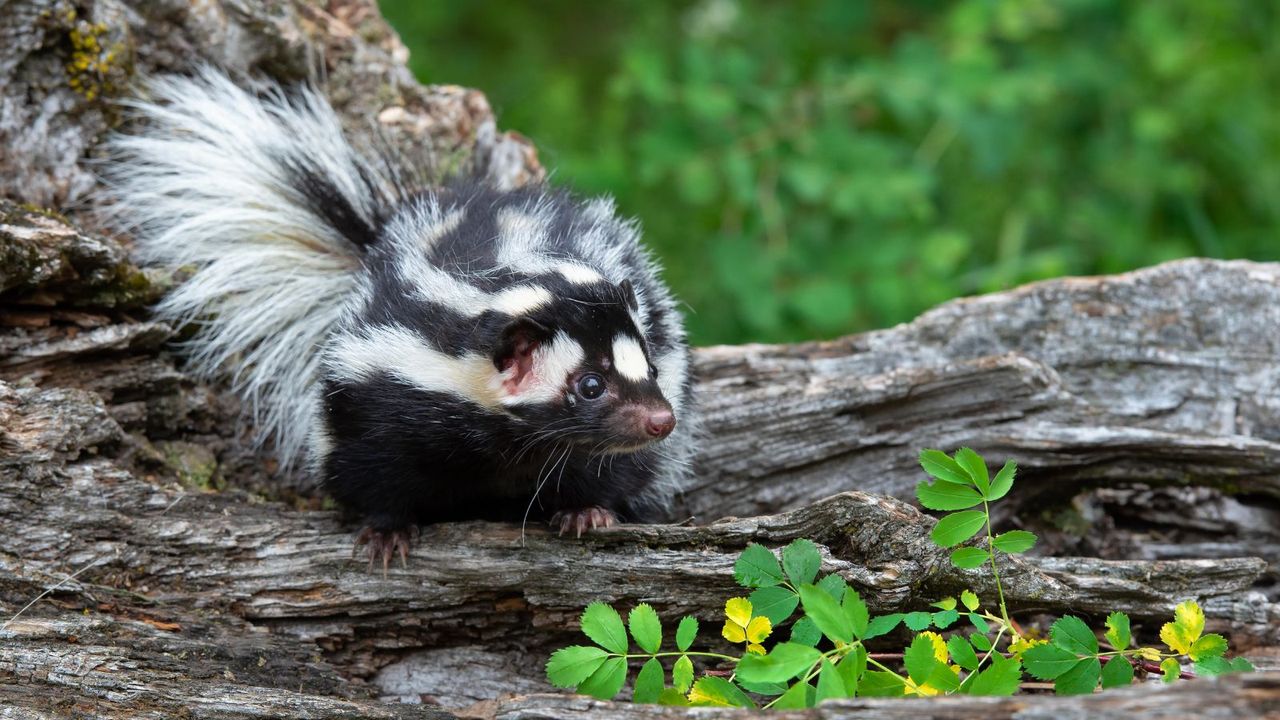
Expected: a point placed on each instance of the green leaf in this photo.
(1014, 541)
(602, 623)
(969, 599)
(962, 653)
(682, 673)
(1116, 673)
(757, 567)
(1171, 669)
(761, 688)
(646, 628)
(797, 696)
(826, 614)
(917, 620)
(784, 661)
(979, 622)
(830, 683)
(801, 561)
(776, 603)
(877, 683)
(1208, 646)
(607, 680)
(968, 558)
(834, 585)
(1210, 667)
(686, 631)
(1002, 677)
(851, 668)
(856, 610)
(718, 692)
(882, 625)
(957, 527)
(947, 603)
(979, 640)
(1240, 664)
(944, 678)
(649, 682)
(947, 496)
(571, 665)
(944, 618)
(976, 468)
(1118, 630)
(919, 659)
(939, 465)
(805, 632)
(1080, 679)
(1071, 634)
(673, 697)
(1047, 662)
(1003, 481)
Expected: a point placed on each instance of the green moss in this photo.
(1069, 520)
(98, 66)
(195, 465)
(33, 209)
(130, 287)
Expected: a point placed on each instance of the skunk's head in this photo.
(577, 369)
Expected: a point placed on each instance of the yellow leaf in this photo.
(1022, 643)
(939, 646)
(910, 688)
(733, 632)
(759, 629)
(738, 610)
(1174, 635)
(755, 648)
(1151, 654)
(1189, 615)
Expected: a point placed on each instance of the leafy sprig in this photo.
(826, 655)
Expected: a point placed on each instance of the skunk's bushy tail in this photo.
(259, 192)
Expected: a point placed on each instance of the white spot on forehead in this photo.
(553, 363)
(629, 359)
(580, 274)
(406, 356)
(520, 299)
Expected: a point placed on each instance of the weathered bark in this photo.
(481, 601)
(1143, 410)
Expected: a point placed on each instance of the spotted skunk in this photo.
(433, 354)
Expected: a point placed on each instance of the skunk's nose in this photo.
(660, 424)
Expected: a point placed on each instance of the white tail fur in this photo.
(263, 196)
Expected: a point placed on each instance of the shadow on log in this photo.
(173, 573)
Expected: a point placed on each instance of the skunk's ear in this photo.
(516, 345)
(629, 294)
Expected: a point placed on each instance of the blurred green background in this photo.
(814, 167)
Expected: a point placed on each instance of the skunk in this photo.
(432, 354)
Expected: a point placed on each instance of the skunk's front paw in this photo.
(580, 520)
(386, 543)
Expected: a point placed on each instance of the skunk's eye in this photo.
(590, 386)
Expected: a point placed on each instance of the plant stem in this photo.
(718, 656)
(995, 572)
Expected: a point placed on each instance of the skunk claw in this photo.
(581, 520)
(385, 544)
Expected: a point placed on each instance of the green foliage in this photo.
(813, 167)
(827, 654)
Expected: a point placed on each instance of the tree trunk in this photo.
(153, 564)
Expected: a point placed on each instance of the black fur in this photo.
(401, 455)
